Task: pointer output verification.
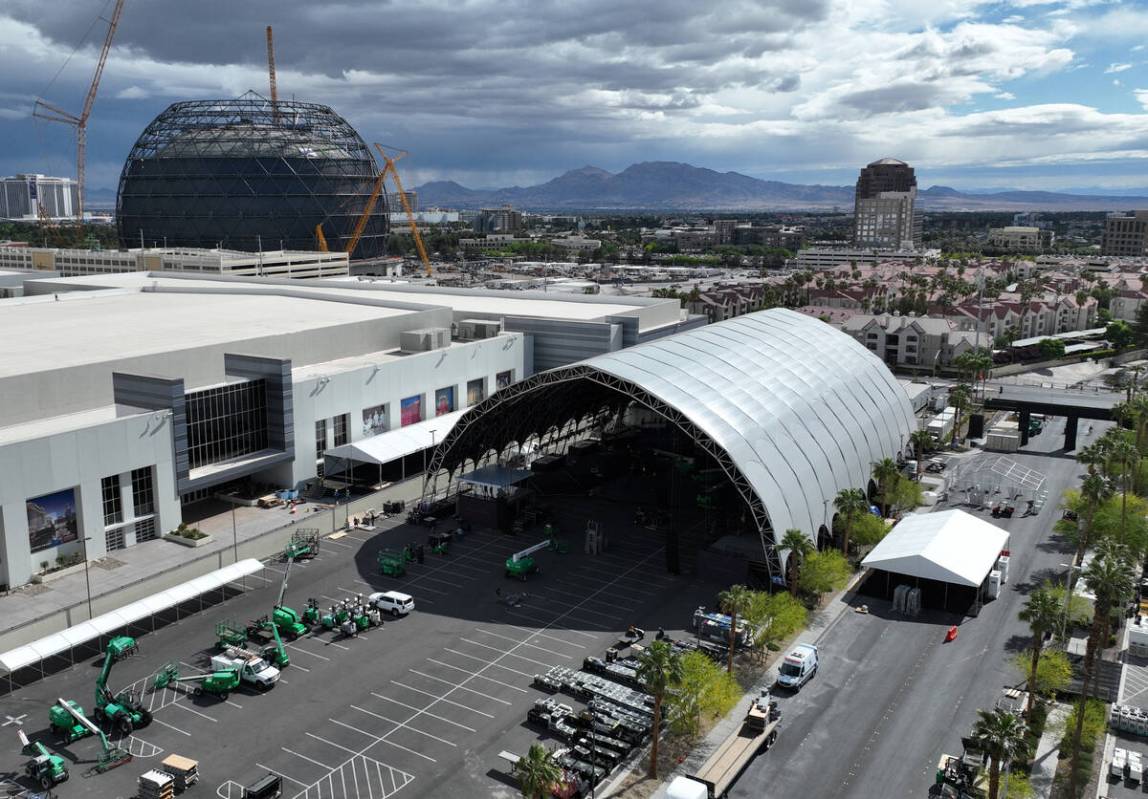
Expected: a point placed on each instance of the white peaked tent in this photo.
(950, 546)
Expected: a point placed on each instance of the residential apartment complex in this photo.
(1018, 238)
(1126, 234)
(884, 212)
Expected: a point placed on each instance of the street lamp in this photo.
(432, 432)
(87, 579)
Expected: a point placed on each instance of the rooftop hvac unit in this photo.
(474, 329)
(425, 340)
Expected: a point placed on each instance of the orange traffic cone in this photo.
(951, 635)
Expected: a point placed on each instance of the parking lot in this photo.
(422, 705)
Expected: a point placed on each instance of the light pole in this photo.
(425, 475)
(87, 579)
(234, 536)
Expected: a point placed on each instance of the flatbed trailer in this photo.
(756, 734)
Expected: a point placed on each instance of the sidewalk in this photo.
(1047, 751)
(823, 621)
(126, 575)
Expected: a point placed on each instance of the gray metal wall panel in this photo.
(559, 343)
(158, 393)
(276, 373)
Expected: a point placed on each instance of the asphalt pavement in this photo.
(890, 696)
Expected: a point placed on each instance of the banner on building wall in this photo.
(475, 391)
(504, 379)
(411, 410)
(375, 420)
(444, 401)
(52, 520)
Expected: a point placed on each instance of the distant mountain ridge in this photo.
(670, 186)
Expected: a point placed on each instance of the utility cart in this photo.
(391, 563)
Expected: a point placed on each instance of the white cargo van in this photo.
(394, 602)
(798, 667)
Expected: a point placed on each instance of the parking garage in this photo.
(735, 432)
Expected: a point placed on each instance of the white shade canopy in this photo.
(395, 444)
(949, 546)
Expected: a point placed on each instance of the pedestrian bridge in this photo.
(1072, 404)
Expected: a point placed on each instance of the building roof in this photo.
(796, 409)
(397, 443)
(888, 162)
(950, 546)
(41, 333)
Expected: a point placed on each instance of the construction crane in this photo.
(45, 110)
(271, 76)
(372, 200)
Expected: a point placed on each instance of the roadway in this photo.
(890, 696)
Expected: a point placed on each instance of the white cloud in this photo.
(1116, 82)
(1141, 97)
(1114, 68)
(1004, 96)
(132, 93)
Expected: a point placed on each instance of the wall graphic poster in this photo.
(411, 410)
(52, 520)
(374, 420)
(444, 401)
(504, 379)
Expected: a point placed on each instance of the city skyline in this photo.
(1028, 94)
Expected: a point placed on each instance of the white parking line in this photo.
(341, 544)
(401, 725)
(425, 713)
(332, 743)
(582, 611)
(486, 662)
(462, 687)
(504, 652)
(531, 617)
(541, 634)
(281, 774)
(476, 674)
(448, 701)
(304, 757)
(192, 710)
(523, 643)
(307, 652)
(338, 645)
(233, 704)
(171, 726)
(418, 577)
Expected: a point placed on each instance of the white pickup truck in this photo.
(252, 668)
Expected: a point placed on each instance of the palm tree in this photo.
(885, 472)
(799, 547)
(1109, 578)
(537, 773)
(1093, 492)
(1000, 735)
(659, 669)
(1042, 613)
(735, 602)
(960, 398)
(1124, 452)
(850, 503)
(921, 440)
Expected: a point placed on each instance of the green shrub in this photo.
(707, 691)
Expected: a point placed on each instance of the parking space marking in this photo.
(572, 632)
(582, 611)
(524, 643)
(511, 654)
(476, 674)
(389, 781)
(307, 652)
(540, 634)
(463, 687)
(182, 706)
(436, 579)
(321, 739)
(448, 701)
(341, 544)
(171, 726)
(281, 774)
(426, 713)
(487, 662)
(304, 757)
(401, 726)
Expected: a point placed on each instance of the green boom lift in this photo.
(304, 545)
(64, 725)
(520, 564)
(217, 683)
(46, 769)
(286, 619)
(122, 711)
(110, 754)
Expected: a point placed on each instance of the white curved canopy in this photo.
(949, 546)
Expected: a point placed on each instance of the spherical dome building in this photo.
(248, 174)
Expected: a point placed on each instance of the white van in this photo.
(394, 602)
(798, 667)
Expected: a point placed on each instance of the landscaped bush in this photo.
(190, 533)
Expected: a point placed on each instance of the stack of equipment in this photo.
(183, 770)
(156, 784)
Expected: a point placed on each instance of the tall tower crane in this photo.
(390, 164)
(45, 110)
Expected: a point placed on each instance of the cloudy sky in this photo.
(1048, 94)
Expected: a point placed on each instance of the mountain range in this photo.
(669, 186)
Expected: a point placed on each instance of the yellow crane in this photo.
(372, 200)
(45, 110)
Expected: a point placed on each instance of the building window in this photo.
(226, 422)
(114, 539)
(320, 438)
(143, 491)
(113, 506)
(342, 422)
(145, 530)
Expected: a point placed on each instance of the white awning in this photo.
(395, 444)
(950, 546)
(85, 631)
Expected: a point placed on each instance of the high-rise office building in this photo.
(24, 196)
(1126, 234)
(884, 212)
